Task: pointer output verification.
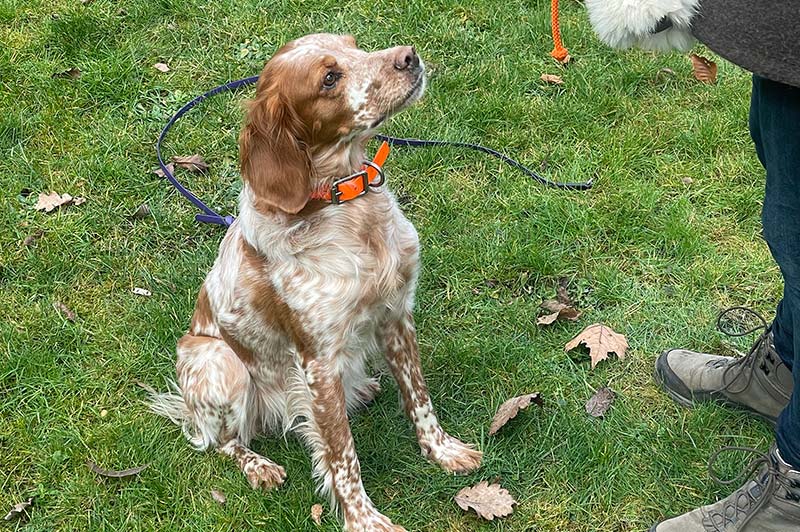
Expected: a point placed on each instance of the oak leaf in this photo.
(488, 500)
(193, 163)
(54, 200)
(552, 78)
(19, 510)
(704, 70)
(316, 514)
(511, 408)
(601, 341)
(600, 402)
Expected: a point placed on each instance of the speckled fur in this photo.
(304, 296)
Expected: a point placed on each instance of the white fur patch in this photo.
(630, 23)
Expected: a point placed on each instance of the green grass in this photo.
(647, 254)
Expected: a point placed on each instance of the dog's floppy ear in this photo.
(273, 157)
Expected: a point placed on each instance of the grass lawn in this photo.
(649, 252)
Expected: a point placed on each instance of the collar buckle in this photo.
(337, 192)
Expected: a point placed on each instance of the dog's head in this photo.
(317, 101)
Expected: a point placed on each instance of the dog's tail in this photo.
(172, 406)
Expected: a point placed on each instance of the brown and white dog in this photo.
(304, 292)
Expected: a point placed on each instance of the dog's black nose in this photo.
(406, 58)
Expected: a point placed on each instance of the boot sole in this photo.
(709, 398)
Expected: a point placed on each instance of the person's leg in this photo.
(775, 123)
(771, 500)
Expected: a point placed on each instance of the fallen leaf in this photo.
(72, 73)
(557, 310)
(552, 78)
(142, 292)
(19, 510)
(50, 202)
(64, 310)
(219, 496)
(32, 238)
(600, 402)
(193, 163)
(511, 408)
(687, 180)
(703, 69)
(316, 514)
(160, 173)
(601, 341)
(562, 295)
(116, 474)
(142, 211)
(161, 67)
(488, 500)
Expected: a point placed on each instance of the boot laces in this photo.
(744, 502)
(727, 323)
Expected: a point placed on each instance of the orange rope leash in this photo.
(559, 53)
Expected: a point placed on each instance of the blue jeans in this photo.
(775, 128)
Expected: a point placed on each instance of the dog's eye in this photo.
(330, 80)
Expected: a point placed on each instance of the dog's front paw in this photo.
(263, 473)
(452, 455)
(372, 521)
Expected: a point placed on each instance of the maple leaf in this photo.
(316, 514)
(601, 341)
(600, 402)
(488, 500)
(50, 202)
(703, 69)
(161, 67)
(557, 310)
(19, 510)
(511, 408)
(552, 78)
(193, 163)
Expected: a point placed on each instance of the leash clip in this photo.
(379, 171)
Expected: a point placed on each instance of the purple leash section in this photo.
(209, 215)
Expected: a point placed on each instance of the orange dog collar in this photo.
(355, 185)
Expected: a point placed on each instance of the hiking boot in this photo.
(759, 382)
(770, 502)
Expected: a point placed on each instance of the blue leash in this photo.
(208, 215)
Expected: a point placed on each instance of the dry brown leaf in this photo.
(161, 67)
(488, 500)
(704, 70)
(160, 173)
(600, 402)
(316, 514)
(564, 61)
(50, 202)
(552, 78)
(72, 73)
(19, 510)
(64, 310)
(32, 238)
(116, 474)
(193, 163)
(601, 341)
(218, 496)
(511, 408)
(142, 211)
(557, 310)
